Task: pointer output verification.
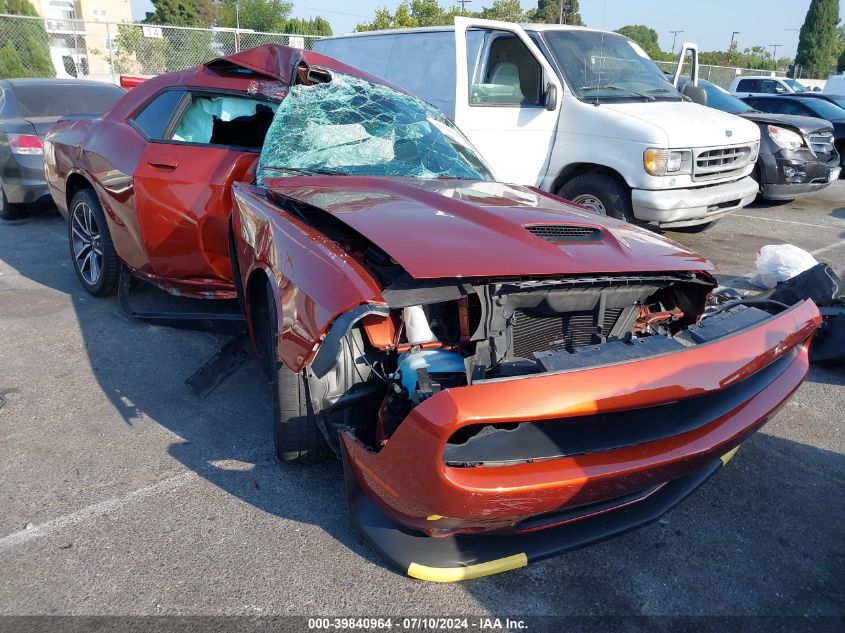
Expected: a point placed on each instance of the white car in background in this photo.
(763, 85)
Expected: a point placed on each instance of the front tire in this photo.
(297, 437)
(91, 250)
(9, 211)
(602, 194)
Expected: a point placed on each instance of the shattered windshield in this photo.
(352, 127)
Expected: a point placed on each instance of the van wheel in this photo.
(601, 194)
(297, 437)
(91, 250)
(9, 211)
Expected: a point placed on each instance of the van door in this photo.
(507, 98)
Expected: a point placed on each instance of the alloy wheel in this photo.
(87, 241)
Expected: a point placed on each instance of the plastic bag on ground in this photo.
(779, 262)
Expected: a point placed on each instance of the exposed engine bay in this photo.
(379, 363)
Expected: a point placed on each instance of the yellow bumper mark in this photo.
(433, 517)
(454, 574)
(728, 456)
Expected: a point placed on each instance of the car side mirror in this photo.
(697, 94)
(551, 96)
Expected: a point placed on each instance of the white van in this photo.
(582, 113)
(835, 85)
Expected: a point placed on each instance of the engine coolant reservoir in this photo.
(438, 363)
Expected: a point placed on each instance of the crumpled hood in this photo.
(690, 124)
(461, 228)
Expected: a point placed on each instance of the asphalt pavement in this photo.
(121, 492)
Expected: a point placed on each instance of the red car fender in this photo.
(313, 279)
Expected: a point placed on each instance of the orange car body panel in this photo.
(411, 483)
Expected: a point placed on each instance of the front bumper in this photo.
(23, 179)
(410, 482)
(467, 556)
(791, 174)
(675, 208)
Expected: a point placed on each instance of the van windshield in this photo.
(604, 66)
(349, 126)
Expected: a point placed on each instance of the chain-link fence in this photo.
(41, 47)
(720, 75)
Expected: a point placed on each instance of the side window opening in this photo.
(507, 75)
(225, 120)
(156, 115)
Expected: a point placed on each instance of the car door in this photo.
(503, 85)
(183, 180)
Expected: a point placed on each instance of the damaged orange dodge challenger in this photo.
(505, 375)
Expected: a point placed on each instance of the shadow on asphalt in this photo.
(770, 527)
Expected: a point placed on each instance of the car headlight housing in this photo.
(663, 162)
(785, 138)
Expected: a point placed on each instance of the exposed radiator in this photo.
(574, 329)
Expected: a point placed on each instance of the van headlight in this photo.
(784, 138)
(660, 162)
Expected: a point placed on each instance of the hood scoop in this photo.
(565, 233)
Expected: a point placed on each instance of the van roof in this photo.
(448, 28)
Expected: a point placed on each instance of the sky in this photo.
(709, 23)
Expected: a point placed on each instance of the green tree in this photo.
(817, 41)
(549, 12)
(197, 13)
(643, 35)
(410, 14)
(268, 16)
(840, 63)
(315, 26)
(24, 48)
(505, 10)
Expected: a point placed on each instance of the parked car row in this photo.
(798, 154)
(496, 367)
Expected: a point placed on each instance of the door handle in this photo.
(161, 164)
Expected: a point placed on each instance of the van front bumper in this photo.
(675, 208)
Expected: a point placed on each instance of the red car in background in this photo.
(505, 375)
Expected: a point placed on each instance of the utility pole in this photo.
(675, 39)
(463, 4)
(562, 14)
(733, 35)
(775, 48)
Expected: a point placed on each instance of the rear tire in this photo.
(9, 211)
(603, 194)
(91, 250)
(297, 437)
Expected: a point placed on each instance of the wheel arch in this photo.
(581, 169)
(76, 182)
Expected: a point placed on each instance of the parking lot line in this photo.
(20, 537)
(827, 248)
(757, 217)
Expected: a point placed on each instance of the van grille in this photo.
(822, 145)
(722, 161)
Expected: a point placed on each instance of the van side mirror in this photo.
(696, 93)
(551, 96)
